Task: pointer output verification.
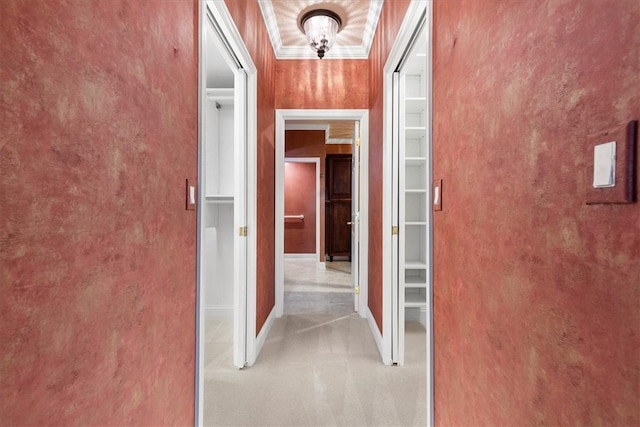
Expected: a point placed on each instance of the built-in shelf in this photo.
(415, 161)
(415, 299)
(415, 132)
(414, 168)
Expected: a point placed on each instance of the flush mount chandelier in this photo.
(321, 27)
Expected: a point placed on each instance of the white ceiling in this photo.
(359, 21)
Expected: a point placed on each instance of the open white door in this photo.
(407, 211)
(240, 337)
(355, 218)
(226, 250)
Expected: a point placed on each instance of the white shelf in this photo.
(415, 299)
(415, 105)
(415, 223)
(415, 132)
(415, 161)
(415, 265)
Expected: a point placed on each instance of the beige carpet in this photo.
(315, 370)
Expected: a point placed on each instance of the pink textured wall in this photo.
(97, 253)
(326, 83)
(310, 143)
(391, 18)
(248, 19)
(537, 295)
(300, 199)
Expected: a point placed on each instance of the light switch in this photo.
(190, 196)
(437, 195)
(604, 165)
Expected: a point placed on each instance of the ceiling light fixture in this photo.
(321, 26)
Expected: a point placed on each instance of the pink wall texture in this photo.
(315, 83)
(537, 295)
(248, 18)
(391, 19)
(311, 143)
(97, 253)
(300, 199)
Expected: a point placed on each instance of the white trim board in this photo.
(386, 357)
(253, 352)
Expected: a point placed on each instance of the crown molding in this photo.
(336, 52)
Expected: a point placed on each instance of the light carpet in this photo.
(315, 370)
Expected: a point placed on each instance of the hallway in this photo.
(319, 366)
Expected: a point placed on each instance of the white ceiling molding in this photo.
(363, 29)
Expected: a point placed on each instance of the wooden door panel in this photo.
(339, 231)
(339, 176)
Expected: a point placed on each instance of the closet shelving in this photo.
(219, 147)
(219, 189)
(414, 181)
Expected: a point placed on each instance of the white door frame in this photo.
(315, 160)
(409, 25)
(281, 117)
(244, 297)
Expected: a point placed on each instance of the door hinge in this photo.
(394, 230)
(357, 289)
(243, 231)
(357, 142)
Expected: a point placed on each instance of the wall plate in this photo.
(191, 196)
(437, 195)
(625, 136)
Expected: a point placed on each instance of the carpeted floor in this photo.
(319, 365)
(318, 370)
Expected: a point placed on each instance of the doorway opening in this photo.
(289, 119)
(226, 203)
(407, 202)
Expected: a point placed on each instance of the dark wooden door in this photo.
(339, 176)
(338, 205)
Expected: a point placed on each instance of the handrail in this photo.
(300, 217)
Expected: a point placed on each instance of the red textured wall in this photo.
(537, 295)
(391, 18)
(310, 143)
(300, 199)
(97, 252)
(326, 83)
(248, 18)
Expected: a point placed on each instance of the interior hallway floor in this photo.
(319, 366)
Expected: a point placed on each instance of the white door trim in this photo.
(245, 298)
(409, 25)
(315, 160)
(281, 117)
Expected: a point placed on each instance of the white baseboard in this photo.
(377, 336)
(219, 311)
(321, 265)
(261, 338)
(309, 257)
